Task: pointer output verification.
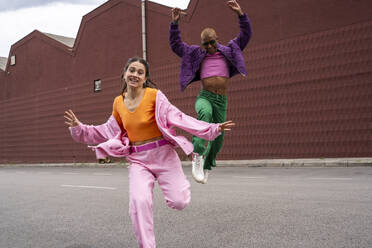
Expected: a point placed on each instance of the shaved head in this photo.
(209, 40)
(208, 33)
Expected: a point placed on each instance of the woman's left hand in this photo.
(226, 126)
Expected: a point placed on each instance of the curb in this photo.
(75, 165)
(320, 162)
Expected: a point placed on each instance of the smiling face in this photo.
(135, 75)
(209, 40)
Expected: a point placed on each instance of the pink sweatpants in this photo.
(161, 164)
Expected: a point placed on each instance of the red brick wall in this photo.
(308, 92)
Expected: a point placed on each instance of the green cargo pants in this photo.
(211, 108)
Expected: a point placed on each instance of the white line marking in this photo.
(71, 173)
(331, 178)
(249, 177)
(43, 173)
(102, 174)
(89, 187)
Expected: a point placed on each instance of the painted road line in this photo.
(330, 178)
(71, 173)
(88, 187)
(249, 177)
(102, 174)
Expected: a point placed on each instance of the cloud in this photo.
(7, 5)
(182, 4)
(51, 18)
(21, 4)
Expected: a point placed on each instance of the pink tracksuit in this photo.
(161, 163)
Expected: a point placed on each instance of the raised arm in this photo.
(175, 42)
(89, 134)
(245, 28)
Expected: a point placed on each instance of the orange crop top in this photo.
(139, 124)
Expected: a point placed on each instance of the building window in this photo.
(12, 60)
(97, 85)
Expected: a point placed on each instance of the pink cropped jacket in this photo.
(109, 139)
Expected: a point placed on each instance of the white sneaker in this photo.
(206, 173)
(197, 167)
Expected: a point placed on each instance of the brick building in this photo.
(308, 93)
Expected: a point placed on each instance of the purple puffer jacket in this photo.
(193, 55)
(112, 141)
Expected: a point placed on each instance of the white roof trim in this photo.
(3, 62)
(63, 39)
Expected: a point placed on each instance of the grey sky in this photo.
(6, 5)
(24, 16)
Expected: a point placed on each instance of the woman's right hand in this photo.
(71, 119)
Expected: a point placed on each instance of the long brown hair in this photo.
(147, 83)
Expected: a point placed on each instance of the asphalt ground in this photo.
(282, 207)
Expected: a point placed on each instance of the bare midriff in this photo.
(217, 85)
(138, 143)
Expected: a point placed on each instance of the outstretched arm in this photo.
(245, 28)
(202, 129)
(89, 134)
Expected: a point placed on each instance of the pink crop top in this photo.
(214, 65)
